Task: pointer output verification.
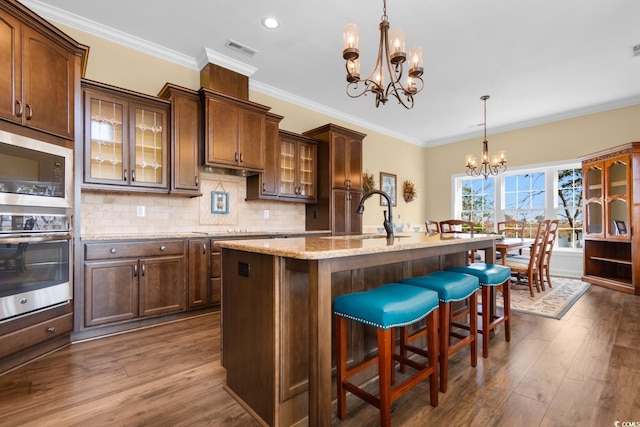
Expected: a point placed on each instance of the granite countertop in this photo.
(341, 246)
(195, 234)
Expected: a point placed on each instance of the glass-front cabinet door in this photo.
(106, 154)
(297, 168)
(593, 199)
(149, 148)
(617, 198)
(307, 170)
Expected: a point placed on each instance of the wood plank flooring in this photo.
(582, 370)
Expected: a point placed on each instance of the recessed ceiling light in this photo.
(270, 22)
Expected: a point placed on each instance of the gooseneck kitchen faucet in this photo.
(388, 222)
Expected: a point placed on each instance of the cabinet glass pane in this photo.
(149, 146)
(106, 151)
(618, 217)
(287, 167)
(594, 182)
(617, 178)
(594, 212)
(306, 170)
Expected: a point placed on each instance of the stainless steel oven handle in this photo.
(31, 239)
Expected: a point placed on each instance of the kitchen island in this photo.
(277, 311)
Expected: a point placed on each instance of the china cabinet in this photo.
(185, 139)
(40, 68)
(234, 132)
(611, 215)
(297, 177)
(339, 180)
(126, 139)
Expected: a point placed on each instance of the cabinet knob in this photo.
(163, 248)
(52, 329)
(23, 300)
(112, 250)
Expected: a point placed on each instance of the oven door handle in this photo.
(31, 239)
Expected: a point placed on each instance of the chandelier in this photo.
(487, 168)
(391, 58)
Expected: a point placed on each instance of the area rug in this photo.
(553, 302)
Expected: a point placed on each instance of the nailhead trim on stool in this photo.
(452, 287)
(385, 308)
(491, 275)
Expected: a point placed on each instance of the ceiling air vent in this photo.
(239, 47)
(635, 50)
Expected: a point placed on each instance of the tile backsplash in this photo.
(116, 213)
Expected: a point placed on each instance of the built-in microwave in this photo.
(35, 173)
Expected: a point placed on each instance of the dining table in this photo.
(508, 244)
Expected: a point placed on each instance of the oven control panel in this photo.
(12, 224)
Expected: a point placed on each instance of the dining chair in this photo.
(459, 226)
(547, 249)
(432, 226)
(511, 228)
(530, 266)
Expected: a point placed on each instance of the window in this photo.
(527, 194)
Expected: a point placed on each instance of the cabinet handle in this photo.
(241, 159)
(235, 156)
(163, 248)
(124, 171)
(29, 112)
(19, 107)
(112, 250)
(195, 179)
(135, 270)
(52, 329)
(133, 175)
(204, 249)
(143, 270)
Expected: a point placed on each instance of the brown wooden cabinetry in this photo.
(611, 218)
(298, 158)
(39, 70)
(126, 139)
(339, 174)
(234, 132)
(198, 294)
(215, 283)
(185, 139)
(127, 280)
(264, 185)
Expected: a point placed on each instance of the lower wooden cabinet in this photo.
(198, 294)
(129, 280)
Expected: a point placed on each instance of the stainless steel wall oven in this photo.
(36, 238)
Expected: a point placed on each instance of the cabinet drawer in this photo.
(24, 338)
(113, 250)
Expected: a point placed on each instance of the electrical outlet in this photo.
(266, 214)
(140, 211)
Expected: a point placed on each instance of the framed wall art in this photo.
(219, 202)
(388, 184)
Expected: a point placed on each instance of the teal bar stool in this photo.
(491, 276)
(452, 287)
(385, 308)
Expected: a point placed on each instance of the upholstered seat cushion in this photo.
(388, 306)
(451, 286)
(488, 274)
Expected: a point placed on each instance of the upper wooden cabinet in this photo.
(345, 155)
(297, 177)
(611, 215)
(265, 185)
(185, 139)
(126, 139)
(234, 132)
(339, 175)
(40, 68)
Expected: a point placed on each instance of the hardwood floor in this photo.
(581, 370)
